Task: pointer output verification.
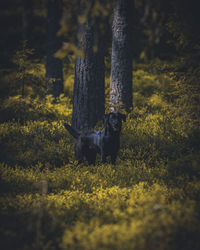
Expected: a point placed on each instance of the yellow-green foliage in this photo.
(135, 218)
(149, 200)
(24, 109)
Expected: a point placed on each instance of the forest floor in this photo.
(149, 200)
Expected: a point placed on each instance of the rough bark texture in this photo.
(54, 73)
(88, 98)
(121, 65)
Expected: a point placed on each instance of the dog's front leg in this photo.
(113, 159)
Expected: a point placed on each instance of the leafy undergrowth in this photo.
(149, 200)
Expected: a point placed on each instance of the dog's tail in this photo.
(72, 131)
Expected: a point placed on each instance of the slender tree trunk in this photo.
(88, 98)
(27, 23)
(54, 73)
(121, 64)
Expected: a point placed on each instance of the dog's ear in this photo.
(122, 116)
(105, 118)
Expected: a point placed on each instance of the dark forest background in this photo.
(72, 61)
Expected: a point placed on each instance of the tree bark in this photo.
(121, 61)
(54, 73)
(89, 97)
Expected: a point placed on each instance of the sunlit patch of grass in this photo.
(111, 217)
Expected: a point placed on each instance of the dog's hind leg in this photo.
(78, 154)
(103, 156)
(92, 159)
(90, 156)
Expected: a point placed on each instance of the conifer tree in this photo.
(54, 72)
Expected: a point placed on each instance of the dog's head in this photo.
(114, 121)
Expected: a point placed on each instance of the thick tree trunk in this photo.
(54, 73)
(121, 64)
(88, 99)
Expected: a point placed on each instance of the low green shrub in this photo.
(17, 108)
(137, 217)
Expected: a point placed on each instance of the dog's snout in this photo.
(116, 126)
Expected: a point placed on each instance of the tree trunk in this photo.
(88, 98)
(27, 20)
(54, 73)
(121, 64)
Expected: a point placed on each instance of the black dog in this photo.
(106, 142)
